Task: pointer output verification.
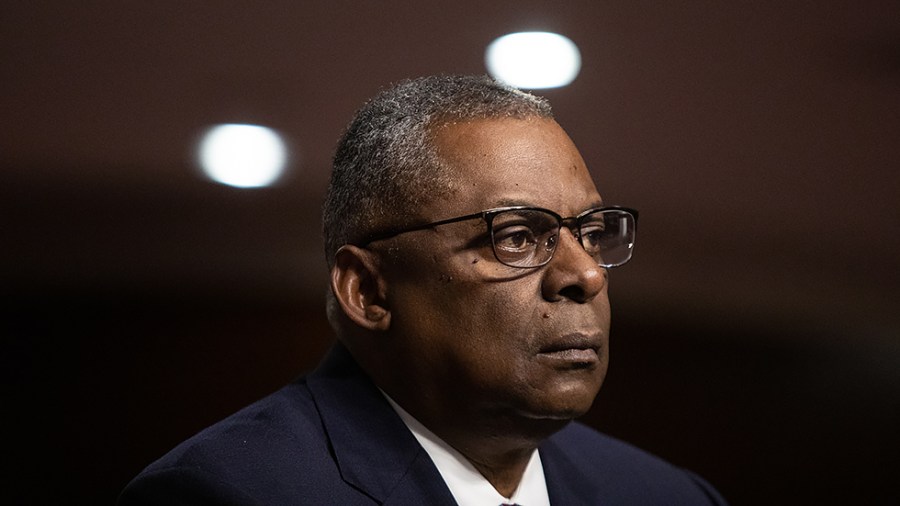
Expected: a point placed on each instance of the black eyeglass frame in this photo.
(488, 216)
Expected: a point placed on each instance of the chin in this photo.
(561, 413)
(562, 406)
(568, 401)
(538, 417)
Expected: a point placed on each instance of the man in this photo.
(468, 250)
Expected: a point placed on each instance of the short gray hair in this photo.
(385, 165)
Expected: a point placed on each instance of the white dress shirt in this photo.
(467, 485)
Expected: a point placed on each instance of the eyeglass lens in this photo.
(528, 237)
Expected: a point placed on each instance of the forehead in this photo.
(509, 161)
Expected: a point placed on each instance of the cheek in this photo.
(470, 306)
(471, 309)
(499, 318)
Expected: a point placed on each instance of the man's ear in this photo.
(357, 285)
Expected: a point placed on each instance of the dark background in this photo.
(756, 333)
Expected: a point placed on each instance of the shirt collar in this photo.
(467, 485)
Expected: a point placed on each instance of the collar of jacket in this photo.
(374, 450)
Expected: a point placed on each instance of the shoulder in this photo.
(618, 472)
(275, 444)
(284, 419)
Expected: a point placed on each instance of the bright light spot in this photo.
(533, 60)
(245, 156)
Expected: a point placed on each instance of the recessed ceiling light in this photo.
(533, 60)
(244, 156)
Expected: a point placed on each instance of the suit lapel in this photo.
(566, 483)
(374, 450)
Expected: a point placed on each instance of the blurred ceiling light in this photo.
(533, 60)
(244, 156)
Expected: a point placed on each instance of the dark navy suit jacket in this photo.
(332, 438)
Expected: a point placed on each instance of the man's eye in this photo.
(514, 238)
(592, 236)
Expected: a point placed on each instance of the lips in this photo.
(575, 348)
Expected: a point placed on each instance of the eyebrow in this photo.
(518, 202)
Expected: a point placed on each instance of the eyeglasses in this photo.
(527, 237)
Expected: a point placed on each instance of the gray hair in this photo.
(385, 165)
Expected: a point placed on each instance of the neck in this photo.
(496, 439)
(503, 471)
(500, 452)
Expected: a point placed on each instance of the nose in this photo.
(572, 273)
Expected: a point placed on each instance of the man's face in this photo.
(473, 337)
